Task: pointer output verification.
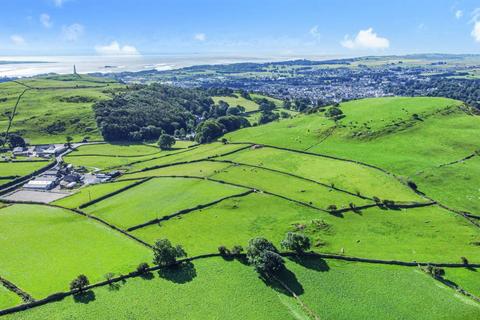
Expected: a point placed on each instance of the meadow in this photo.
(308, 174)
(47, 247)
(365, 291)
(157, 198)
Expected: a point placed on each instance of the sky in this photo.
(240, 27)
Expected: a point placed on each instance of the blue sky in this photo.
(247, 27)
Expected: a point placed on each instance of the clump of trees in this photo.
(79, 283)
(264, 257)
(296, 242)
(165, 254)
(13, 140)
(212, 129)
(145, 112)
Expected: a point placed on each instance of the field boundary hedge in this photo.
(19, 292)
(188, 210)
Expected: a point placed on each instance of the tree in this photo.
(69, 140)
(165, 254)
(166, 141)
(79, 283)
(334, 113)
(209, 131)
(296, 242)
(266, 105)
(14, 140)
(264, 257)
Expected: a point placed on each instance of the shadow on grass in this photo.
(179, 274)
(310, 262)
(84, 297)
(283, 279)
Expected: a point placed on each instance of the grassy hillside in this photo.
(388, 181)
(53, 107)
(332, 290)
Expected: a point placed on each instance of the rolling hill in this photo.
(382, 192)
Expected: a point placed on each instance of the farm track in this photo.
(61, 295)
(464, 214)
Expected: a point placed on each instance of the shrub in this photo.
(237, 249)
(435, 272)
(376, 199)
(165, 253)
(332, 208)
(142, 268)
(296, 242)
(388, 203)
(412, 185)
(79, 283)
(464, 260)
(223, 251)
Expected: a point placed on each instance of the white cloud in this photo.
(458, 14)
(115, 49)
(476, 31)
(17, 40)
(73, 31)
(59, 3)
(476, 24)
(45, 20)
(200, 37)
(366, 39)
(314, 32)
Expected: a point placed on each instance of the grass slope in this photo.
(92, 192)
(48, 247)
(157, 198)
(423, 234)
(333, 290)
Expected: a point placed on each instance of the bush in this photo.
(464, 260)
(237, 249)
(142, 268)
(79, 283)
(376, 199)
(296, 242)
(332, 208)
(223, 251)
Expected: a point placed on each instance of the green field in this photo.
(92, 192)
(157, 198)
(407, 150)
(46, 115)
(48, 247)
(422, 234)
(8, 169)
(233, 289)
(8, 299)
(237, 100)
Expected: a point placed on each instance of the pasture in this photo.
(47, 247)
(157, 198)
(312, 175)
(228, 286)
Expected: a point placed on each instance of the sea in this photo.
(27, 66)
